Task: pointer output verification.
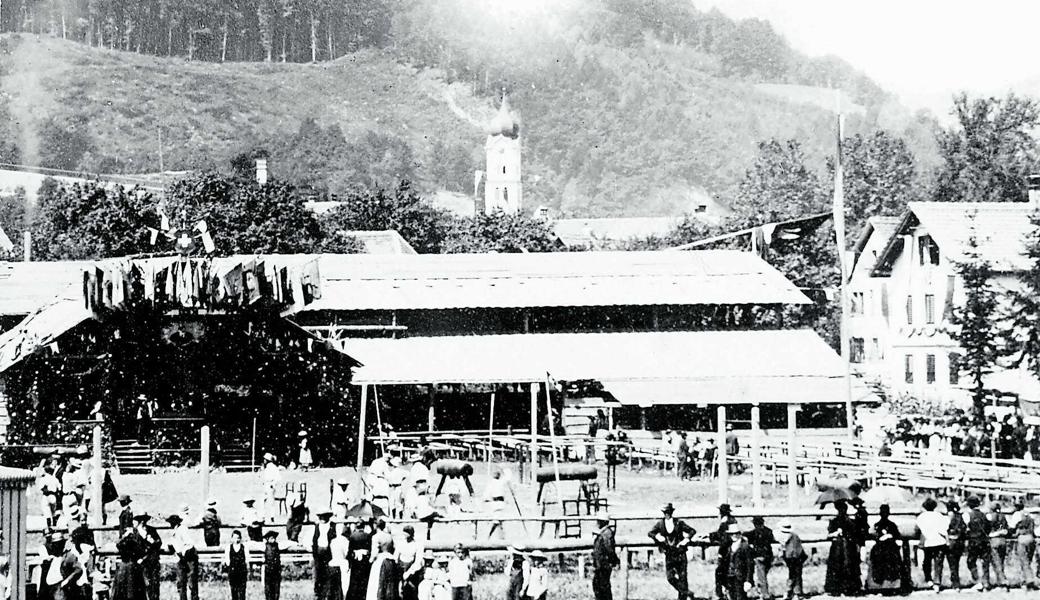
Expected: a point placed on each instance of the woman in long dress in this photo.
(843, 559)
(128, 583)
(886, 564)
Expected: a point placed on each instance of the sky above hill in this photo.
(923, 50)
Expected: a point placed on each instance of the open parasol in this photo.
(365, 510)
(836, 489)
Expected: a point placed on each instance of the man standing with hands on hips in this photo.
(673, 538)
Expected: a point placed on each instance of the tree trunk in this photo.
(332, 51)
(169, 40)
(284, 35)
(223, 40)
(314, 37)
(191, 43)
(64, 28)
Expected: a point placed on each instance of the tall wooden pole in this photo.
(534, 428)
(756, 456)
(792, 455)
(723, 462)
(430, 404)
(491, 431)
(96, 481)
(204, 461)
(361, 428)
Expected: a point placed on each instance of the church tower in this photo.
(503, 189)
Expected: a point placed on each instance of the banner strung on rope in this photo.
(218, 284)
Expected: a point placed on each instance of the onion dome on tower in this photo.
(505, 123)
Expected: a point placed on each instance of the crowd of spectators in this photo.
(958, 433)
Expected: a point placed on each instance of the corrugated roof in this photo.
(445, 281)
(706, 356)
(582, 232)
(1000, 228)
(9, 475)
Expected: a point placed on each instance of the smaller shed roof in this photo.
(718, 358)
(582, 232)
(40, 329)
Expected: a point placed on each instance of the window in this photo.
(929, 308)
(908, 368)
(701, 208)
(856, 350)
(857, 303)
(955, 368)
(930, 368)
(505, 194)
(875, 349)
(927, 250)
(503, 169)
(909, 310)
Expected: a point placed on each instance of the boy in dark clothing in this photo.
(272, 573)
(210, 524)
(761, 541)
(794, 556)
(955, 539)
(978, 544)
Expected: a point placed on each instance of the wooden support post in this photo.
(723, 461)
(430, 404)
(792, 455)
(534, 428)
(204, 465)
(756, 456)
(626, 558)
(581, 566)
(361, 429)
(96, 481)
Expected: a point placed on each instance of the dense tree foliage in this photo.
(243, 30)
(402, 209)
(977, 323)
(990, 151)
(1025, 340)
(91, 221)
(500, 232)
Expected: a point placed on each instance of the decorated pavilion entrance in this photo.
(154, 348)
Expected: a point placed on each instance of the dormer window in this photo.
(927, 250)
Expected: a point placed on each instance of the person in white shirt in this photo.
(537, 584)
(49, 488)
(396, 478)
(460, 574)
(495, 499)
(339, 548)
(183, 546)
(435, 585)
(271, 476)
(409, 553)
(252, 521)
(379, 489)
(420, 472)
(933, 527)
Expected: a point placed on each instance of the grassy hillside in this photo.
(620, 117)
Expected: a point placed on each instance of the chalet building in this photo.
(904, 287)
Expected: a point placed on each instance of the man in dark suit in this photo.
(60, 572)
(126, 516)
(720, 538)
(761, 541)
(604, 558)
(321, 553)
(741, 565)
(153, 548)
(673, 538)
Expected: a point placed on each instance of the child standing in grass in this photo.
(236, 564)
(794, 556)
(460, 574)
(537, 584)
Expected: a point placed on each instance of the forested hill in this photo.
(628, 106)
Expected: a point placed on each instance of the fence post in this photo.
(204, 461)
(720, 452)
(756, 456)
(626, 557)
(97, 503)
(792, 455)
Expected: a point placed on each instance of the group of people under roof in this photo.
(958, 433)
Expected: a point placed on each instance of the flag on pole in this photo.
(839, 201)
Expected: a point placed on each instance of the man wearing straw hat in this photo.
(604, 557)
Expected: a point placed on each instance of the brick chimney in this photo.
(261, 171)
(1033, 185)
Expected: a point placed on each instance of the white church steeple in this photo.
(503, 188)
